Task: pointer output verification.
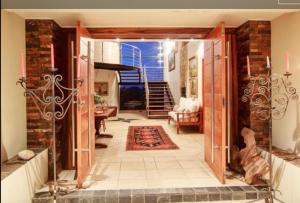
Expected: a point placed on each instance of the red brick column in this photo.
(39, 36)
(253, 39)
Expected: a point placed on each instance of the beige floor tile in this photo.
(150, 165)
(190, 164)
(176, 182)
(132, 183)
(204, 182)
(118, 168)
(132, 165)
(165, 158)
(196, 173)
(167, 165)
(132, 174)
(148, 159)
(108, 166)
(153, 174)
(172, 173)
(155, 183)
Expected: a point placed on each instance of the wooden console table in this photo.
(100, 117)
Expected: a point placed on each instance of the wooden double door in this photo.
(215, 89)
(216, 100)
(84, 77)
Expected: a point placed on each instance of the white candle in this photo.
(52, 56)
(287, 62)
(248, 66)
(268, 62)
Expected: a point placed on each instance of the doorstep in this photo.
(195, 194)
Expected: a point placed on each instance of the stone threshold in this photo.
(163, 195)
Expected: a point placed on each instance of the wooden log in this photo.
(255, 166)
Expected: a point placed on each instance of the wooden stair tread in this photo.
(159, 110)
(154, 102)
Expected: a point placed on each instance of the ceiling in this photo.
(152, 18)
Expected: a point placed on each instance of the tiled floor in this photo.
(117, 168)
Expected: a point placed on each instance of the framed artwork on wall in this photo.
(171, 61)
(193, 67)
(101, 88)
(194, 87)
(193, 76)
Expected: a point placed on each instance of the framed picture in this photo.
(194, 87)
(193, 67)
(171, 61)
(101, 88)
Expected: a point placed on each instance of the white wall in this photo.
(286, 178)
(21, 184)
(286, 37)
(173, 78)
(13, 103)
(108, 52)
(196, 49)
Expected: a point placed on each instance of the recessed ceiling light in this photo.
(143, 39)
(117, 39)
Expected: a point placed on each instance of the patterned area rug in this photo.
(148, 138)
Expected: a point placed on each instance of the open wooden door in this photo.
(85, 135)
(214, 79)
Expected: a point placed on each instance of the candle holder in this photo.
(269, 96)
(52, 106)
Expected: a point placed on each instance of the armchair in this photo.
(187, 113)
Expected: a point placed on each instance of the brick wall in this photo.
(253, 39)
(39, 36)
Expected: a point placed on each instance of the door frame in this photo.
(152, 33)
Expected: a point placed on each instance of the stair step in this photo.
(156, 98)
(136, 78)
(131, 75)
(157, 87)
(158, 110)
(158, 116)
(163, 82)
(129, 71)
(160, 89)
(130, 79)
(154, 102)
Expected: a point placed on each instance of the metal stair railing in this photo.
(146, 89)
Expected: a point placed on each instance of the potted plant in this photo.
(99, 100)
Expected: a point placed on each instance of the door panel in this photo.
(85, 106)
(214, 104)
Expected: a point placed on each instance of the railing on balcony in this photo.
(130, 55)
(146, 88)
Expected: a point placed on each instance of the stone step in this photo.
(190, 194)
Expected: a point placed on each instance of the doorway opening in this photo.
(179, 65)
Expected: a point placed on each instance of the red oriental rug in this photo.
(148, 138)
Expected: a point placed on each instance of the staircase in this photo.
(130, 76)
(160, 100)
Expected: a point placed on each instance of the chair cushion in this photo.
(192, 105)
(187, 105)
